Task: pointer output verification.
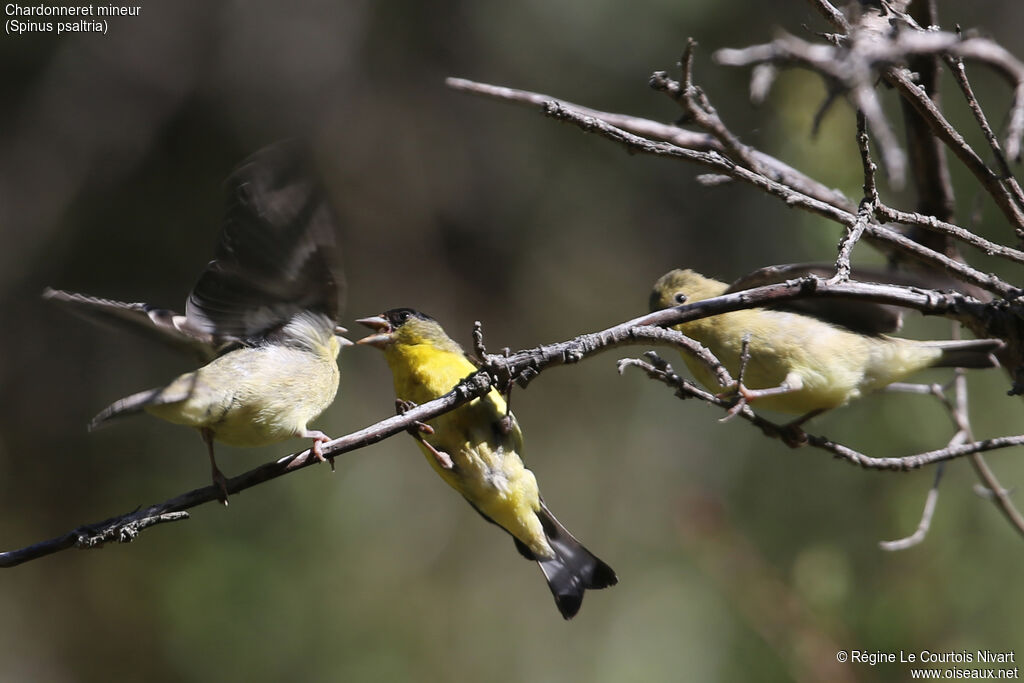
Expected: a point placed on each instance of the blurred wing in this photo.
(156, 323)
(865, 317)
(277, 254)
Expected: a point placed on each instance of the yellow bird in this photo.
(265, 310)
(476, 449)
(799, 363)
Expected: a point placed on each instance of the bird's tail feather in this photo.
(129, 405)
(968, 353)
(573, 570)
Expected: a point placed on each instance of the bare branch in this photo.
(837, 65)
(959, 415)
(1000, 495)
(867, 165)
(796, 189)
(897, 464)
(956, 65)
(125, 528)
(931, 501)
(522, 366)
(659, 131)
(942, 129)
(833, 15)
(929, 162)
(964, 235)
(699, 110)
(724, 166)
(499, 371)
(854, 66)
(867, 204)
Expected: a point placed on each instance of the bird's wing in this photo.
(865, 317)
(157, 323)
(277, 255)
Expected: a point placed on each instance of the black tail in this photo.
(573, 570)
(969, 353)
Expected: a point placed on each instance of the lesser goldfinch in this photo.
(476, 449)
(265, 310)
(799, 363)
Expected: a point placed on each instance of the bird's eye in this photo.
(403, 316)
(680, 298)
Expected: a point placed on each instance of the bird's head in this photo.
(678, 287)
(404, 326)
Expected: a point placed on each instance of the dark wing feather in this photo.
(865, 317)
(277, 254)
(161, 324)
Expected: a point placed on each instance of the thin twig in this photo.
(887, 213)
(854, 66)
(833, 15)
(867, 165)
(854, 232)
(958, 412)
(943, 130)
(670, 337)
(930, 502)
(655, 130)
(896, 464)
(956, 65)
(1000, 495)
(699, 110)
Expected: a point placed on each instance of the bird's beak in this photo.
(339, 332)
(382, 331)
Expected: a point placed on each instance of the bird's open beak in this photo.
(339, 332)
(382, 331)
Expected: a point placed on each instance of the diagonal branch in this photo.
(655, 130)
(521, 367)
(661, 371)
(956, 65)
(794, 188)
(125, 528)
(725, 166)
(499, 371)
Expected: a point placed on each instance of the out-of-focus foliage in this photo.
(739, 559)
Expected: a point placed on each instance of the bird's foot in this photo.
(419, 429)
(793, 435)
(443, 459)
(745, 396)
(790, 433)
(317, 449)
(221, 482)
(741, 396)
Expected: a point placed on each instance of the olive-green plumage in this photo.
(254, 395)
(262, 315)
(483, 443)
(812, 364)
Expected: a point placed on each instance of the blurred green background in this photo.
(738, 558)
